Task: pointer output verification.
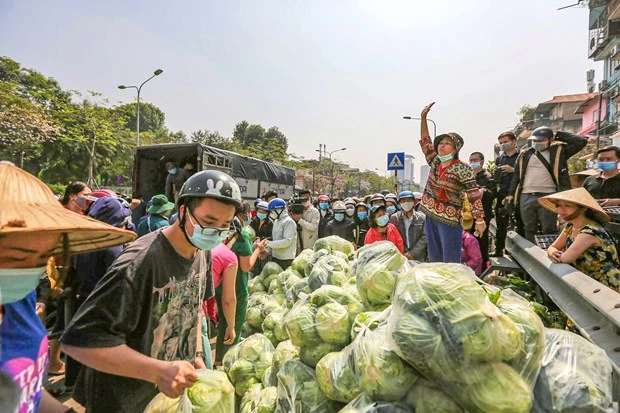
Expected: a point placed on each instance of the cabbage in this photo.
(384, 253)
(267, 400)
(298, 390)
(284, 352)
(270, 268)
(376, 286)
(300, 262)
(273, 328)
(336, 379)
(300, 324)
(334, 243)
(313, 259)
(247, 362)
(351, 288)
(425, 397)
(311, 354)
(328, 270)
(255, 285)
(333, 324)
(364, 404)
(250, 399)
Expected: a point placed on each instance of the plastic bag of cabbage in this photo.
(260, 305)
(365, 366)
(334, 244)
(364, 404)
(444, 324)
(321, 322)
(425, 397)
(212, 392)
(376, 269)
(247, 362)
(273, 326)
(328, 269)
(298, 391)
(258, 400)
(576, 376)
(300, 262)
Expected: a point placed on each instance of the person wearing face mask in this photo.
(349, 204)
(283, 246)
(449, 181)
(325, 215)
(341, 225)
(605, 187)
(541, 170)
(504, 170)
(391, 202)
(410, 225)
(361, 224)
(139, 331)
(33, 227)
(263, 228)
(309, 221)
(156, 218)
(486, 184)
(174, 180)
(381, 229)
(77, 197)
(417, 197)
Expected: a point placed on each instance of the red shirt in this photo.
(392, 235)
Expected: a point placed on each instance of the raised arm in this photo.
(426, 143)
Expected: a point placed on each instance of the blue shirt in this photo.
(23, 350)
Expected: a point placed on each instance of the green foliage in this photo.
(152, 118)
(253, 140)
(214, 139)
(526, 113)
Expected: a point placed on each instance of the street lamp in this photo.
(430, 120)
(138, 88)
(331, 192)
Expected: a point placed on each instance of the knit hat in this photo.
(579, 196)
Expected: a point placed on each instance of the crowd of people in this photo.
(138, 299)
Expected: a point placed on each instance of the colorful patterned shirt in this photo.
(599, 262)
(446, 187)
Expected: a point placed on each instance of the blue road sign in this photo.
(396, 161)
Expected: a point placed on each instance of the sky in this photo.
(337, 72)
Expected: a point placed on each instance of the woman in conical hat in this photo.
(584, 243)
(33, 227)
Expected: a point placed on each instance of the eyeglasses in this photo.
(209, 231)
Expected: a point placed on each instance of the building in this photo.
(559, 113)
(407, 174)
(424, 171)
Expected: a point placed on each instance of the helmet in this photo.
(406, 194)
(323, 198)
(100, 193)
(417, 195)
(361, 204)
(375, 208)
(339, 206)
(384, 192)
(349, 201)
(391, 197)
(263, 205)
(276, 203)
(543, 132)
(376, 198)
(211, 184)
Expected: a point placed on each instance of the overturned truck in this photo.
(255, 177)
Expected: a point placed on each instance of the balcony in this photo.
(613, 10)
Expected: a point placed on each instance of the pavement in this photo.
(55, 383)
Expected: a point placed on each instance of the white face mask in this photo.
(350, 212)
(407, 206)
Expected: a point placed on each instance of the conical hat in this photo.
(27, 205)
(579, 196)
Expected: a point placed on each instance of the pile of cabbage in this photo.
(366, 331)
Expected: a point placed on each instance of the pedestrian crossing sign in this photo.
(396, 161)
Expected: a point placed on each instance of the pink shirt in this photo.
(221, 258)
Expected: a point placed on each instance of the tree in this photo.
(526, 113)
(152, 118)
(253, 140)
(214, 139)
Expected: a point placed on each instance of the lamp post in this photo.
(139, 88)
(430, 120)
(331, 192)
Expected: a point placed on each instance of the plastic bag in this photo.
(250, 399)
(273, 327)
(260, 305)
(367, 366)
(576, 376)
(376, 270)
(321, 322)
(425, 397)
(329, 269)
(298, 391)
(334, 243)
(444, 324)
(284, 352)
(300, 262)
(364, 404)
(212, 392)
(247, 362)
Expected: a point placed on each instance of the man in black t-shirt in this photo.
(140, 327)
(605, 186)
(504, 171)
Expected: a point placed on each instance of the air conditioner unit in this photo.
(602, 86)
(590, 75)
(614, 51)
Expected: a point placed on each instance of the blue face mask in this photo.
(173, 171)
(607, 166)
(390, 210)
(383, 220)
(260, 215)
(17, 283)
(323, 205)
(362, 215)
(206, 238)
(475, 165)
(444, 158)
(339, 217)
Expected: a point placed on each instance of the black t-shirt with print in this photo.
(149, 300)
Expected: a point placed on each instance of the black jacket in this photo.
(262, 231)
(323, 222)
(360, 228)
(561, 149)
(485, 181)
(343, 229)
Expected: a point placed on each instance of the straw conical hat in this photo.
(27, 205)
(579, 196)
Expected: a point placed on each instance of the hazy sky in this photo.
(341, 73)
